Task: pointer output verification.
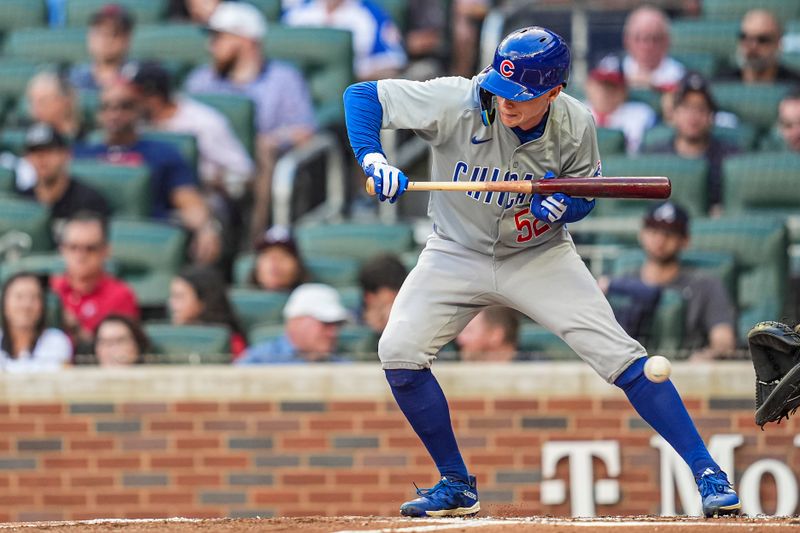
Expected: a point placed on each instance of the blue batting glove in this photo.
(390, 182)
(559, 207)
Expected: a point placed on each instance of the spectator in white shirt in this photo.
(646, 40)
(224, 163)
(25, 344)
(607, 94)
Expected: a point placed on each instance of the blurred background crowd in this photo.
(176, 185)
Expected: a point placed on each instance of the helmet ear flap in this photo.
(487, 106)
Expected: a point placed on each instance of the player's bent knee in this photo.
(400, 353)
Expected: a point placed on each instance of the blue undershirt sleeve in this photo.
(363, 116)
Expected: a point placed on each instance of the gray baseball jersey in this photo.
(487, 248)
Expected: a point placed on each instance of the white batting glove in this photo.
(390, 182)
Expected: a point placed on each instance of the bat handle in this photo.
(370, 186)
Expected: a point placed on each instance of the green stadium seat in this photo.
(242, 270)
(743, 136)
(13, 140)
(271, 9)
(28, 217)
(144, 11)
(735, 9)
(240, 112)
(53, 45)
(688, 177)
(351, 297)
(325, 56)
(764, 183)
(792, 59)
(264, 333)
(185, 43)
(397, 11)
(356, 241)
(539, 343)
(336, 271)
(772, 141)
(254, 306)
(15, 74)
(358, 342)
(610, 141)
(7, 179)
(148, 253)
(706, 63)
(15, 14)
(191, 344)
(126, 188)
(185, 143)
(759, 246)
(647, 96)
(756, 104)
(717, 37)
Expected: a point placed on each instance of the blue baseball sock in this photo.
(422, 401)
(660, 405)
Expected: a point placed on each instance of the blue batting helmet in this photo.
(527, 63)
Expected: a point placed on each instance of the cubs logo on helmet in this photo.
(506, 68)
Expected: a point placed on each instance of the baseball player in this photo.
(510, 122)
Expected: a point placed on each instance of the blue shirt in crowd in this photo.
(277, 352)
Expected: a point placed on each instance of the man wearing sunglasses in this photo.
(759, 49)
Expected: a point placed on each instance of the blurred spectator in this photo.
(197, 295)
(108, 41)
(49, 154)
(789, 120)
(196, 11)
(646, 40)
(425, 38)
(377, 43)
(491, 336)
(278, 265)
(693, 118)
(284, 112)
(709, 328)
(380, 280)
(224, 163)
(313, 316)
(120, 341)
(26, 344)
(468, 16)
(759, 50)
(607, 94)
(51, 99)
(88, 294)
(173, 183)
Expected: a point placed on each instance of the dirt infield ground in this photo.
(636, 524)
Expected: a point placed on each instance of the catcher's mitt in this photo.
(775, 349)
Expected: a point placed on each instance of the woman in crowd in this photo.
(120, 341)
(26, 345)
(278, 265)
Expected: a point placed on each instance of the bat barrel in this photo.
(651, 187)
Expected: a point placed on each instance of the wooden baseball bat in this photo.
(650, 187)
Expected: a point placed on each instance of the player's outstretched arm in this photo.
(363, 117)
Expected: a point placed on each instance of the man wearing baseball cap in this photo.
(710, 317)
(284, 112)
(314, 314)
(108, 42)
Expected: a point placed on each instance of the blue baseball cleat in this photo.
(719, 498)
(446, 498)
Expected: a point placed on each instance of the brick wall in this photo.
(200, 442)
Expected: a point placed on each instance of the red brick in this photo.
(489, 423)
(143, 408)
(277, 425)
(197, 443)
(132, 462)
(382, 424)
(403, 442)
(304, 443)
(226, 461)
(5, 409)
(354, 406)
(34, 480)
(5, 445)
(170, 498)
(355, 478)
(467, 405)
(91, 444)
(331, 497)
(515, 441)
(275, 496)
(61, 426)
(577, 405)
(16, 499)
(616, 404)
(384, 496)
(209, 480)
(250, 407)
(64, 463)
(65, 499)
(196, 407)
(608, 423)
(171, 425)
(40, 409)
(117, 498)
(331, 424)
(423, 478)
(5, 481)
(303, 479)
(516, 405)
(92, 481)
(172, 461)
(17, 427)
(224, 425)
(491, 459)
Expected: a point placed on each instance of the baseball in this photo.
(657, 368)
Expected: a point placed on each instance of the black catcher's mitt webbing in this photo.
(775, 349)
